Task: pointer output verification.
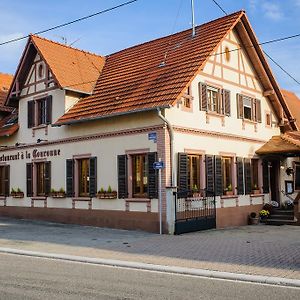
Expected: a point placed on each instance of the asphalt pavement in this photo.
(24, 278)
(252, 250)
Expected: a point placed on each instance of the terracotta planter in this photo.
(18, 195)
(58, 195)
(229, 193)
(106, 195)
(255, 192)
(253, 221)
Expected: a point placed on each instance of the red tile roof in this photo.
(5, 82)
(150, 75)
(73, 69)
(9, 125)
(293, 102)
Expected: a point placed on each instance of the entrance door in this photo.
(274, 181)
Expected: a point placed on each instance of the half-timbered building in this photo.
(89, 129)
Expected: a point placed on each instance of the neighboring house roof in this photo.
(155, 74)
(293, 103)
(284, 144)
(9, 125)
(73, 69)
(5, 82)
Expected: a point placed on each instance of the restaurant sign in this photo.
(30, 154)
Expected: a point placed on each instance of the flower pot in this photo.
(229, 193)
(253, 221)
(18, 195)
(256, 191)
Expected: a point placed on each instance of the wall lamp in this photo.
(17, 144)
(40, 141)
(289, 171)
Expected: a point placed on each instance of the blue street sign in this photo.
(152, 136)
(158, 165)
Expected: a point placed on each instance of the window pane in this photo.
(193, 172)
(213, 99)
(84, 179)
(139, 175)
(297, 177)
(40, 177)
(2, 181)
(227, 174)
(254, 174)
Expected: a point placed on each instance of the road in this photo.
(24, 277)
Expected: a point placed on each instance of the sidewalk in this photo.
(254, 250)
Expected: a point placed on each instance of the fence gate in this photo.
(194, 211)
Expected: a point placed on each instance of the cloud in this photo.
(253, 5)
(273, 11)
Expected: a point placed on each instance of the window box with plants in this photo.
(17, 193)
(58, 194)
(109, 194)
(255, 190)
(228, 191)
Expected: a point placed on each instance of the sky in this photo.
(145, 20)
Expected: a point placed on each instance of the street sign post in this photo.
(159, 165)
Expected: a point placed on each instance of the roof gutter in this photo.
(108, 116)
(171, 134)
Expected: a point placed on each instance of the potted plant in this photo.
(264, 214)
(110, 194)
(255, 189)
(196, 192)
(228, 190)
(17, 193)
(58, 194)
(253, 218)
(101, 193)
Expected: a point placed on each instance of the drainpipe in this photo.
(171, 133)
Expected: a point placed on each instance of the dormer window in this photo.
(40, 112)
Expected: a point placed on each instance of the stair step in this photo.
(280, 222)
(281, 217)
(282, 212)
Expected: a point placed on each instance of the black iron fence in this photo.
(194, 210)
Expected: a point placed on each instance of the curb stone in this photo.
(279, 281)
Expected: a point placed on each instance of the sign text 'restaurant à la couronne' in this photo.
(30, 154)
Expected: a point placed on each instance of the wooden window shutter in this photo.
(122, 177)
(47, 177)
(182, 171)
(258, 111)
(70, 177)
(218, 176)
(265, 169)
(240, 106)
(247, 170)
(30, 114)
(210, 171)
(203, 96)
(29, 181)
(6, 180)
(93, 176)
(240, 175)
(49, 110)
(226, 102)
(152, 176)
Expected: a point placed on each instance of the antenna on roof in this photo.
(75, 41)
(63, 38)
(193, 18)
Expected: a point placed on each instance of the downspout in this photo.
(171, 134)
